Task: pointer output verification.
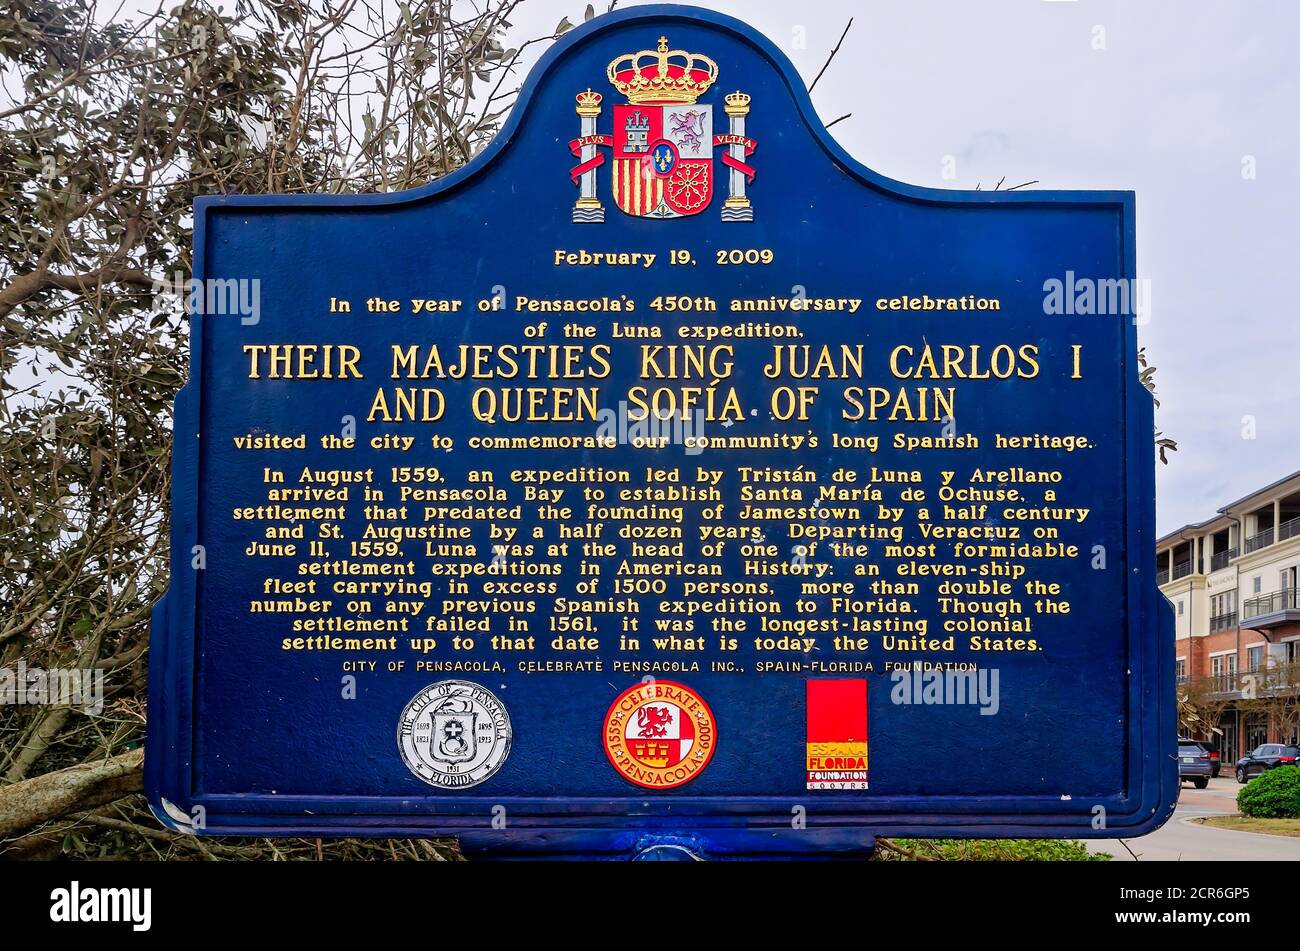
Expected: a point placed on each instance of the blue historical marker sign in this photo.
(664, 478)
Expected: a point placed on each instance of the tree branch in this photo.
(830, 57)
(76, 789)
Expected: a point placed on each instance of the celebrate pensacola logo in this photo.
(663, 140)
(659, 734)
(454, 734)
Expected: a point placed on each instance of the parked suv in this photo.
(1210, 751)
(1193, 763)
(1266, 756)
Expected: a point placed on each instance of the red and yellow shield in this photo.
(663, 159)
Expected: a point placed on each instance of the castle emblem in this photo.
(663, 140)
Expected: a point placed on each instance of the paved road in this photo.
(1180, 840)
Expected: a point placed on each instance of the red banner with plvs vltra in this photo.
(837, 734)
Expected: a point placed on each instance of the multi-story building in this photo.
(1232, 580)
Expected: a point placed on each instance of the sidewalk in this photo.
(1180, 840)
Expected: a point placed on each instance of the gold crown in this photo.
(662, 75)
(589, 102)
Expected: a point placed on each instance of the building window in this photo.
(1180, 609)
(1227, 737)
(1223, 664)
(1255, 657)
(1221, 604)
(1256, 731)
(1182, 669)
(1256, 584)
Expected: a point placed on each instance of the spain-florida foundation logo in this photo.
(659, 734)
(837, 734)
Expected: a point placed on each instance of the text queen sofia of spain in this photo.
(663, 140)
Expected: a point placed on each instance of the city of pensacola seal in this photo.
(659, 734)
(454, 734)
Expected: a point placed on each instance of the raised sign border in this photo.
(730, 826)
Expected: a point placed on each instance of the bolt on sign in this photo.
(665, 480)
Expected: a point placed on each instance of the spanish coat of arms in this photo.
(663, 140)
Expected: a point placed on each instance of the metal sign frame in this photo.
(715, 825)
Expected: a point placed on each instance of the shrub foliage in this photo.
(1274, 794)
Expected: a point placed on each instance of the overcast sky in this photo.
(1176, 100)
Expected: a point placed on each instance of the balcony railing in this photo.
(1271, 603)
(1277, 679)
(1182, 569)
(1266, 682)
(1203, 684)
(1223, 622)
(1221, 559)
(1225, 682)
(1256, 542)
(1288, 529)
